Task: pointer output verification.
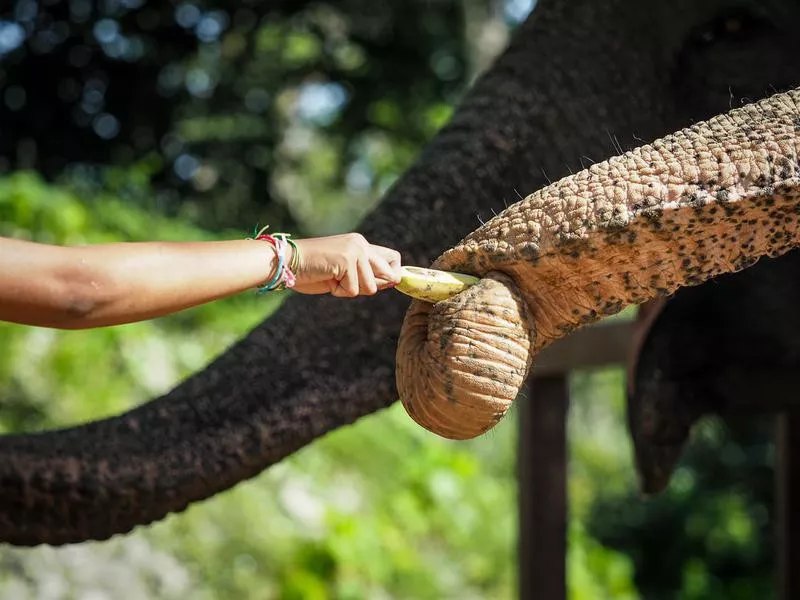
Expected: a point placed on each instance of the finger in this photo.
(391, 259)
(366, 278)
(348, 284)
(315, 288)
(382, 269)
(391, 256)
(384, 285)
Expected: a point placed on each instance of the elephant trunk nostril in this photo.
(461, 362)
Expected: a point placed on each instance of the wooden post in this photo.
(542, 466)
(542, 477)
(787, 514)
(542, 454)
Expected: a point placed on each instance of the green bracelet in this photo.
(295, 262)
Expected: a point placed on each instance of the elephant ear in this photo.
(731, 344)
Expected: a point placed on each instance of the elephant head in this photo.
(577, 77)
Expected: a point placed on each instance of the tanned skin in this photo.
(82, 287)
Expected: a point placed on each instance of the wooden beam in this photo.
(787, 515)
(542, 488)
(603, 344)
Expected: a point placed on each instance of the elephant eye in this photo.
(736, 25)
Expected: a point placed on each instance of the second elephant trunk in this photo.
(710, 199)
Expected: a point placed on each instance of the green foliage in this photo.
(378, 508)
(122, 358)
(217, 92)
(709, 534)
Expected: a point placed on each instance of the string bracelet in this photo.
(284, 276)
(287, 237)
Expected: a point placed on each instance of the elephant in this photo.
(580, 81)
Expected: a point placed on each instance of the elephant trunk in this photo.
(710, 199)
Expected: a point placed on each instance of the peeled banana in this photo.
(430, 285)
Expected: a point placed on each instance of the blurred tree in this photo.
(347, 518)
(710, 535)
(219, 98)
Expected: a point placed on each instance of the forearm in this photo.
(110, 284)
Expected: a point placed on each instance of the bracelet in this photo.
(284, 276)
(287, 237)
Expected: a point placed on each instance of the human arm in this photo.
(79, 287)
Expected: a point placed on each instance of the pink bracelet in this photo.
(284, 277)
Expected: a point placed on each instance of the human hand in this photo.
(346, 266)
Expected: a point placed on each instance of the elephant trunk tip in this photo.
(461, 362)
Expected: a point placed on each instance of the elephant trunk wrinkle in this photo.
(461, 362)
(710, 199)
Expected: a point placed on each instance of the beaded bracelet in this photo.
(284, 274)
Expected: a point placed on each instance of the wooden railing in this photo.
(542, 461)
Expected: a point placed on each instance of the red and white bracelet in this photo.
(285, 272)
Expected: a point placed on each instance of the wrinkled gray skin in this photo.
(579, 77)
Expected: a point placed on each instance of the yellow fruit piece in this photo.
(430, 285)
